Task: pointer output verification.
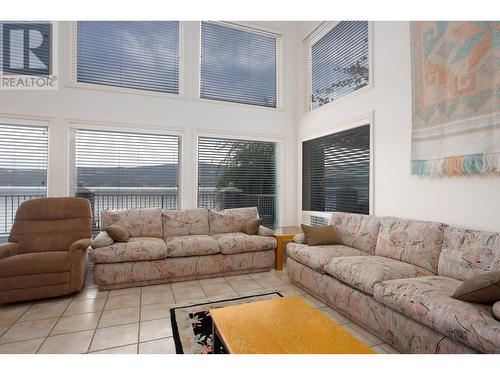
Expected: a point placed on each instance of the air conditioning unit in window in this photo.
(315, 218)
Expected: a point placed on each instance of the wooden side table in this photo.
(283, 235)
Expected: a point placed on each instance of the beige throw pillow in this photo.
(251, 226)
(322, 235)
(483, 288)
(496, 310)
(118, 233)
(101, 240)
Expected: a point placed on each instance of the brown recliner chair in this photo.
(46, 255)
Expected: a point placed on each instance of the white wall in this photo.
(187, 114)
(472, 202)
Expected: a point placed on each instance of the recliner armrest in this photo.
(82, 245)
(8, 249)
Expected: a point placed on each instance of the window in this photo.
(336, 172)
(338, 64)
(238, 173)
(23, 169)
(137, 55)
(238, 64)
(25, 48)
(117, 170)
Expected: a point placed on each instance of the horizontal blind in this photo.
(238, 65)
(23, 169)
(336, 172)
(137, 55)
(338, 62)
(21, 37)
(238, 173)
(118, 170)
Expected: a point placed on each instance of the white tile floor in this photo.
(135, 320)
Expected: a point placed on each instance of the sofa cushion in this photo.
(316, 257)
(230, 220)
(143, 222)
(34, 263)
(428, 301)
(364, 272)
(467, 253)
(197, 244)
(355, 230)
(411, 241)
(185, 222)
(234, 243)
(136, 248)
(482, 288)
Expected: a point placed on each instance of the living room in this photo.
(167, 179)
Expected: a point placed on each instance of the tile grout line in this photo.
(15, 321)
(97, 326)
(57, 321)
(139, 328)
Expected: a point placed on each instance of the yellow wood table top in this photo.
(282, 326)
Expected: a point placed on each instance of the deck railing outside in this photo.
(169, 200)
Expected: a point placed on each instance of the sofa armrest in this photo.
(101, 240)
(264, 231)
(8, 249)
(300, 238)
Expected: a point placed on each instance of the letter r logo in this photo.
(26, 48)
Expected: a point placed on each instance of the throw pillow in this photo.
(322, 235)
(118, 233)
(496, 310)
(483, 288)
(101, 240)
(251, 226)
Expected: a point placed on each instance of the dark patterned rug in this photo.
(192, 324)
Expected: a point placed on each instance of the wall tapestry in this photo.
(456, 98)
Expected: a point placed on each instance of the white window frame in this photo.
(314, 36)
(279, 65)
(75, 124)
(280, 161)
(72, 70)
(365, 119)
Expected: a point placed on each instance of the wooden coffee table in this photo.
(280, 326)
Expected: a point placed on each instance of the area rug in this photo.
(192, 324)
(456, 98)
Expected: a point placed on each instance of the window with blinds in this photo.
(26, 48)
(338, 55)
(118, 170)
(23, 169)
(239, 64)
(336, 172)
(131, 54)
(238, 173)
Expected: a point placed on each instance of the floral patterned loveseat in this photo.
(176, 245)
(395, 277)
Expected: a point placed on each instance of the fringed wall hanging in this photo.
(456, 98)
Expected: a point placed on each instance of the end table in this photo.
(283, 235)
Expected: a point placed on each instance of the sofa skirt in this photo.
(127, 274)
(397, 330)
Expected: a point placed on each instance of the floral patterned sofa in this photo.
(167, 246)
(395, 277)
